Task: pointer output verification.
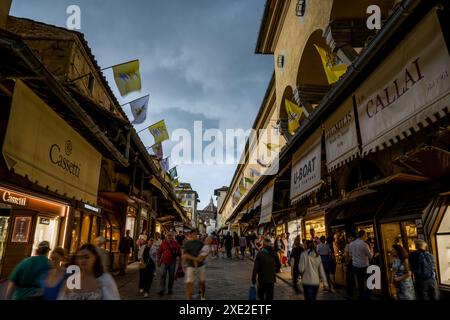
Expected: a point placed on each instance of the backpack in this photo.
(425, 266)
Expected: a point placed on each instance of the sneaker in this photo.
(141, 290)
(146, 295)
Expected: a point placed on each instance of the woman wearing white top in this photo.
(95, 284)
(311, 270)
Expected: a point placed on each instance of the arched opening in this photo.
(362, 173)
(351, 9)
(312, 82)
(287, 94)
(347, 34)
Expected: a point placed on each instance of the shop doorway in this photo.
(402, 233)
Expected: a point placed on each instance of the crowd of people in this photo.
(314, 263)
(44, 277)
(47, 275)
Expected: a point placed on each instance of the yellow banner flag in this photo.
(295, 114)
(127, 77)
(333, 70)
(159, 131)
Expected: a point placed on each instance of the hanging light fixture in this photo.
(301, 7)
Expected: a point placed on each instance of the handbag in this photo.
(252, 293)
(180, 272)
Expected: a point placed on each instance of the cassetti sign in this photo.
(41, 146)
(61, 161)
(13, 199)
(306, 173)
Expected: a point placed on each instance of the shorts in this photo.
(192, 273)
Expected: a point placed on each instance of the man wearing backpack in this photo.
(422, 265)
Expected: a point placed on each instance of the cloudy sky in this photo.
(197, 63)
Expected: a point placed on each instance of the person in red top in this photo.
(168, 253)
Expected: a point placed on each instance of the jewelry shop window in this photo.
(443, 248)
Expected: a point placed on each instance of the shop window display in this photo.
(411, 235)
(280, 229)
(75, 232)
(318, 225)
(46, 230)
(4, 222)
(85, 227)
(443, 248)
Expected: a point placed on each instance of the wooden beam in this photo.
(6, 90)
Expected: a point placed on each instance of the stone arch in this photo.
(310, 70)
(287, 94)
(351, 9)
(347, 33)
(311, 82)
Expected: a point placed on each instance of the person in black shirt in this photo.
(228, 244)
(295, 259)
(264, 271)
(126, 246)
(180, 238)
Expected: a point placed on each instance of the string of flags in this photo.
(128, 79)
(139, 109)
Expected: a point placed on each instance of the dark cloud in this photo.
(197, 60)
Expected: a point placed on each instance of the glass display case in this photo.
(443, 248)
(411, 234)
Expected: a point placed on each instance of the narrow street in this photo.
(225, 280)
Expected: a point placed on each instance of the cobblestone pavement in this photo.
(226, 279)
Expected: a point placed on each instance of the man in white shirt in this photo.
(360, 254)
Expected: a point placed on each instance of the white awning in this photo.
(408, 91)
(341, 137)
(306, 170)
(266, 206)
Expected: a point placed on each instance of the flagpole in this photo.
(122, 105)
(142, 130)
(120, 64)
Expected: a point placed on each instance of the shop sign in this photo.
(409, 87)
(44, 221)
(41, 146)
(341, 138)
(94, 209)
(31, 202)
(305, 175)
(11, 198)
